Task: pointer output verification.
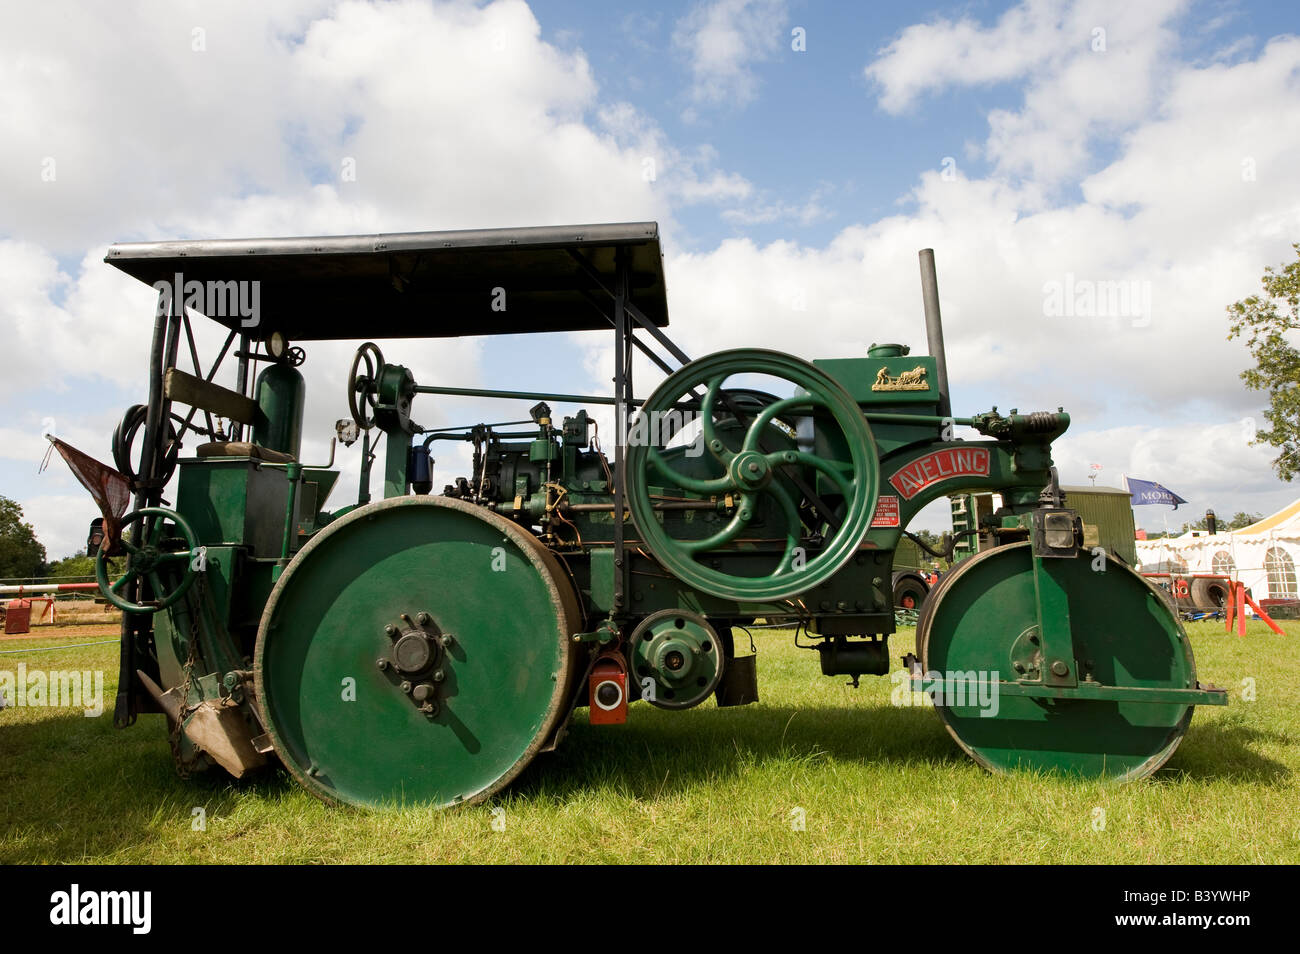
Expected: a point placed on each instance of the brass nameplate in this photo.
(913, 380)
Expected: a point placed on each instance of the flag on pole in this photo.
(1150, 492)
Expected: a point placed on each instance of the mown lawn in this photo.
(872, 781)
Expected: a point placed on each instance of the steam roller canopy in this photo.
(786, 469)
(982, 618)
(417, 651)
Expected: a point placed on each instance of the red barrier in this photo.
(1237, 600)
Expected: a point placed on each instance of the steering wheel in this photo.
(147, 558)
(366, 385)
(753, 458)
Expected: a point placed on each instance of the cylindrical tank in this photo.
(281, 394)
(420, 471)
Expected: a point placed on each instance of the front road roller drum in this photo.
(1135, 679)
(417, 651)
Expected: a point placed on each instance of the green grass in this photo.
(878, 783)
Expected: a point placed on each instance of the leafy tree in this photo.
(1240, 519)
(21, 554)
(76, 565)
(1265, 321)
(1236, 522)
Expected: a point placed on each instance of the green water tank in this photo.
(281, 394)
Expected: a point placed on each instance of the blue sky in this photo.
(781, 174)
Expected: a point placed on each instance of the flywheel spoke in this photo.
(711, 440)
(699, 485)
(738, 522)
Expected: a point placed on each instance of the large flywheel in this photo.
(796, 477)
(1135, 678)
(417, 651)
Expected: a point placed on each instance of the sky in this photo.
(795, 154)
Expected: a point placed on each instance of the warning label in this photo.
(886, 512)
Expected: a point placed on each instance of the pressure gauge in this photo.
(277, 346)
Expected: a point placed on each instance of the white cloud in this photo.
(927, 57)
(1210, 463)
(723, 40)
(1091, 69)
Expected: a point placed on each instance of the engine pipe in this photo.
(934, 328)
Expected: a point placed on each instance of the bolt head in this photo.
(424, 619)
(406, 687)
(439, 675)
(390, 629)
(1060, 668)
(382, 664)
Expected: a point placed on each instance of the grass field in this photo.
(875, 783)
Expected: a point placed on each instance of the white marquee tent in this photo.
(1263, 555)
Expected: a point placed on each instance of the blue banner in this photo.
(1150, 492)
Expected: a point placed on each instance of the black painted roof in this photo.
(417, 284)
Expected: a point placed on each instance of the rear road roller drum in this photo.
(981, 622)
(417, 651)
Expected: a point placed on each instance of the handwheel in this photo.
(753, 463)
(366, 386)
(147, 559)
(981, 618)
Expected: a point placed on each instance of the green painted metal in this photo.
(396, 463)
(753, 469)
(1110, 510)
(1118, 721)
(281, 395)
(677, 659)
(168, 571)
(861, 378)
(974, 688)
(293, 474)
(485, 583)
(234, 501)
